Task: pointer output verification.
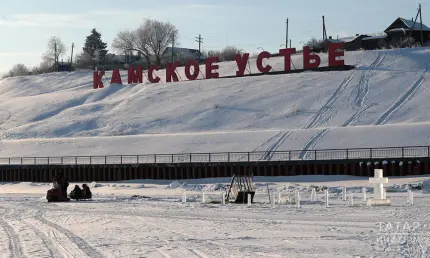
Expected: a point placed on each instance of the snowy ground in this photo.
(116, 224)
(383, 102)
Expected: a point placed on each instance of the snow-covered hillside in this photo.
(383, 102)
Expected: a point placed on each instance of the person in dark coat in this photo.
(62, 182)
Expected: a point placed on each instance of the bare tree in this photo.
(55, 49)
(151, 38)
(17, 70)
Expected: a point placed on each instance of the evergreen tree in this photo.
(94, 43)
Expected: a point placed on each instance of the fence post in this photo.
(289, 155)
(428, 151)
(209, 158)
(315, 154)
(91, 160)
(21, 161)
(347, 153)
(370, 153)
(34, 160)
(228, 156)
(248, 156)
(76, 160)
(121, 159)
(48, 160)
(61, 160)
(155, 158)
(172, 158)
(403, 152)
(191, 159)
(9, 161)
(137, 159)
(105, 160)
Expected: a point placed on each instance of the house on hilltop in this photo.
(401, 28)
(181, 55)
(351, 43)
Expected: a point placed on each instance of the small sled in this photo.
(81, 194)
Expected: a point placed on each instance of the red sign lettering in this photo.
(171, 72)
(135, 75)
(241, 62)
(333, 53)
(97, 79)
(210, 67)
(116, 77)
(192, 67)
(308, 57)
(151, 74)
(286, 53)
(195, 65)
(260, 58)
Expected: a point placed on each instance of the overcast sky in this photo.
(26, 25)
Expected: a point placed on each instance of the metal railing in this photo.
(259, 156)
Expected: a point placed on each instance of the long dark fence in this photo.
(227, 157)
(396, 161)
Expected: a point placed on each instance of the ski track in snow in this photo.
(15, 246)
(401, 100)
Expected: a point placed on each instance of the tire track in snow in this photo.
(76, 240)
(14, 243)
(401, 100)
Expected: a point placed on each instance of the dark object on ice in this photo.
(240, 187)
(58, 192)
(81, 194)
(415, 186)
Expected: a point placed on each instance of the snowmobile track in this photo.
(401, 100)
(317, 117)
(79, 242)
(14, 243)
(53, 251)
(363, 84)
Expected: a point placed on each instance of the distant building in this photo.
(374, 42)
(351, 43)
(401, 28)
(181, 54)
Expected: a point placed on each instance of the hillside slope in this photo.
(383, 102)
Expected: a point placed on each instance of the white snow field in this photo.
(149, 219)
(381, 103)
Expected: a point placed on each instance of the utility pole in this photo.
(324, 30)
(200, 40)
(55, 56)
(413, 26)
(173, 46)
(286, 35)
(421, 21)
(71, 57)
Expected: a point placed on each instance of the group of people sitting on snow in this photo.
(61, 184)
